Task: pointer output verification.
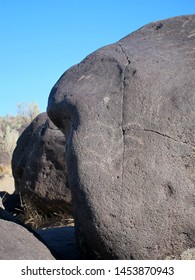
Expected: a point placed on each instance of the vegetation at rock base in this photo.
(37, 218)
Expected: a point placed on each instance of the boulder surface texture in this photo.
(127, 111)
(39, 167)
(18, 243)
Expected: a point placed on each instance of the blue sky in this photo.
(40, 39)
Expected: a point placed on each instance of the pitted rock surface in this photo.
(19, 244)
(39, 167)
(127, 111)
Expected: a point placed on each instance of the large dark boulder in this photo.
(39, 168)
(127, 111)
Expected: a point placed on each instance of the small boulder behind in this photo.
(39, 168)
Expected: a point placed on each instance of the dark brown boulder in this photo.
(127, 111)
(39, 168)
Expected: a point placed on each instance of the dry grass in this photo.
(37, 219)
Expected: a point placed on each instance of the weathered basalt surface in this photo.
(18, 243)
(127, 111)
(39, 168)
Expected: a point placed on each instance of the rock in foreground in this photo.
(17, 243)
(127, 111)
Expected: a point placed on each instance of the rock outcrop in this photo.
(127, 111)
(39, 168)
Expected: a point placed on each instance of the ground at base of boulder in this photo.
(61, 241)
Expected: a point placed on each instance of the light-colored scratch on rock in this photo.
(192, 34)
(84, 77)
(81, 78)
(172, 45)
(183, 25)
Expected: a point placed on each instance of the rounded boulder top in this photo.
(127, 111)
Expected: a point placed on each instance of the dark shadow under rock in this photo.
(11, 202)
(61, 241)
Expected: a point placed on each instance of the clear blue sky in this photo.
(40, 39)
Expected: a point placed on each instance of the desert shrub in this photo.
(8, 135)
(10, 126)
(27, 112)
(10, 139)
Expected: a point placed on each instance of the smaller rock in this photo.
(18, 243)
(39, 167)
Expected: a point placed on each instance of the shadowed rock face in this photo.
(127, 111)
(39, 168)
